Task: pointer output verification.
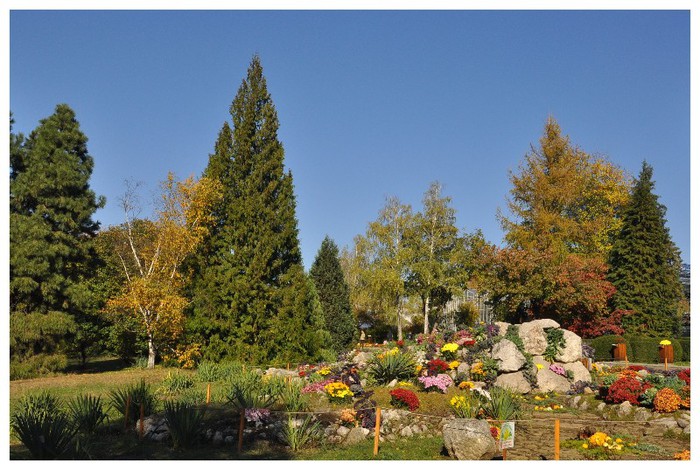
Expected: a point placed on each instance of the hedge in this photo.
(639, 348)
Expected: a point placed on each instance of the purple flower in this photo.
(440, 381)
(256, 414)
(557, 369)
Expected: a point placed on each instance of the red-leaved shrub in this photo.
(404, 399)
(437, 366)
(684, 375)
(625, 389)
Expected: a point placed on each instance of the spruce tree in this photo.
(334, 296)
(51, 209)
(645, 264)
(251, 296)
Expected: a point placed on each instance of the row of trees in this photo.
(584, 244)
(216, 271)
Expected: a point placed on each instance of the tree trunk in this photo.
(399, 332)
(426, 309)
(151, 353)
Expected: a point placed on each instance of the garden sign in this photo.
(507, 437)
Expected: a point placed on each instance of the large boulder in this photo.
(502, 327)
(572, 351)
(273, 372)
(579, 370)
(548, 381)
(469, 439)
(514, 381)
(534, 337)
(355, 436)
(509, 357)
(361, 359)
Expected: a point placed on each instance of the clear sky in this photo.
(370, 103)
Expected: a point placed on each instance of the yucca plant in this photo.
(247, 391)
(292, 398)
(135, 395)
(386, 367)
(298, 434)
(184, 421)
(43, 427)
(502, 405)
(86, 413)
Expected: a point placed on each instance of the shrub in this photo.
(666, 401)
(134, 395)
(467, 406)
(646, 350)
(685, 344)
(86, 413)
(184, 421)
(386, 367)
(298, 434)
(502, 405)
(42, 427)
(625, 389)
(403, 398)
(437, 366)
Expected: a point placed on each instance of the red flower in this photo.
(404, 398)
(302, 373)
(400, 343)
(437, 366)
(684, 375)
(495, 432)
(625, 389)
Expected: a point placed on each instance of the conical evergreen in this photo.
(51, 209)
(645, 264)
(250, 273)
(334, 295)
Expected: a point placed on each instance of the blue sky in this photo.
(371, 103)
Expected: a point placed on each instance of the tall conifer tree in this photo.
(334, 295)
(645, 264)
(51, 209)
(252, 299)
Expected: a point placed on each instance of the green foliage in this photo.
(250, 297)
(248, 390)
(645, 264)
(298, 433)
(555, 343)
(51, 208)
(646, 350)
(603, 346)
(468, 405)
(43, 428)
(385, 367)
(86, 413)
(292, 398)
(334, 295)
(39, 364)
(134, 395)
(684, 343)
(502, 405)
(184, 422)
(177, 382)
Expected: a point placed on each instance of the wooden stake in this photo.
(665, 362)
(241, 425)
(126, 412)
(505, 451)
(556, 439)
(141, 421)
(288, 366)
(208, 393)
(376, 431)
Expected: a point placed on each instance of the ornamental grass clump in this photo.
(184, 422)
(666, 401)
(502, 405)
(248, 390)
(86, 413)
(297, 433)
(293, 398)
(128, 400)
(384, 368)
(402, 398)
(42, 426)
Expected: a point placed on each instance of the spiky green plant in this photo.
(297, 433)
(386, 367)
(43, 427)
(176, 382)
(292, 398)
(135, 395)
(184, 421)
(86, 413)
(502, 405)
(247, 390)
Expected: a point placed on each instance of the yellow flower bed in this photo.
(338, 390)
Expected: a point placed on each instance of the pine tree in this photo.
(645, 264)
(334, 295)
(51, 209)
(252, 275)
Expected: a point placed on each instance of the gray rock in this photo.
(343, 431)
(273, 372)
(463, 367)
(572, 351)
(502, 327)
(406, 432)
(514, 381)
(625, 408)
(583, 406)
(509, 357)
(534, 338)
(229, 440)
(160, 437)
(574, 401)
(365, 431)
(361, 359)
(393, 383)
(682, 422)
(588, 390)
(641, 414)
(355, 436)
(686, 430)
(666, 423)
(548, 381)
(218, 438)
(469, 439)
(544, 323)
(600, 407)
